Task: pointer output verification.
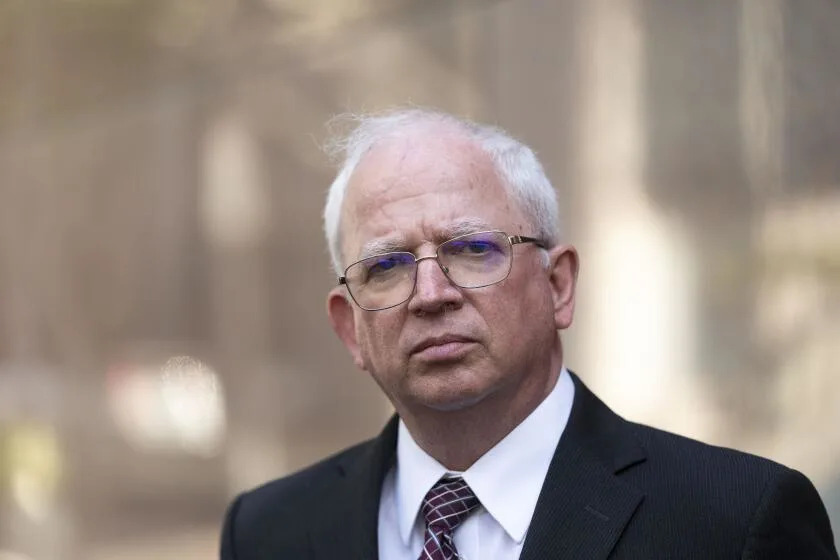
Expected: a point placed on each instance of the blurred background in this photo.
(163, 339)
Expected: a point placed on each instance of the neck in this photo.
(458, 438)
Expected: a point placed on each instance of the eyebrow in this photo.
(398, 243)
(465, 226)
(382, 245)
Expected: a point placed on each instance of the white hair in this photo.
(521, 173)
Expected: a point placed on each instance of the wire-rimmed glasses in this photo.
(474, 260)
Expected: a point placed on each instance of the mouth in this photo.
(446, 347)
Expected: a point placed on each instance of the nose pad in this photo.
(437, 262)
(434, 291)
(433, 284)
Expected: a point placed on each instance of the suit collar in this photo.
(584, 506)
(349, 526)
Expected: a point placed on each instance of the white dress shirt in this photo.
(507, 481)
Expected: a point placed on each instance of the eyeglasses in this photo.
(473, 260)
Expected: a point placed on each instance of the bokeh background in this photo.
(163, 340)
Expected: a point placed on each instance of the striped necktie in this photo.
(446, 505)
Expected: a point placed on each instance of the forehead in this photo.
(423, 187)
(422, 161)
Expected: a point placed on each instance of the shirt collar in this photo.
(507, 479)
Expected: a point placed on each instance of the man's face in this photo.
(447, 347)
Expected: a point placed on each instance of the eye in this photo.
(381, 266)
(472, 247)
(478, 247)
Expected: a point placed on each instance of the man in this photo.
(453, 285)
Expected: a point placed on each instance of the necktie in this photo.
(446, 505)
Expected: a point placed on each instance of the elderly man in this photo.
(453, 284)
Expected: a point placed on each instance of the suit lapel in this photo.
(584, 506)
(348, 528)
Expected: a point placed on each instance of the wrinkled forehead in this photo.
(432, 183)
(424, 160)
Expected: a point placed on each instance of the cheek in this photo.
(378, 340)
(522, 314)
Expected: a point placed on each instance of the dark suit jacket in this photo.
(614, 490)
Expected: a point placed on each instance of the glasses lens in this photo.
(477, 259)
(381, 281)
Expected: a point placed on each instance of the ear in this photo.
(340, 311)
(563, 272)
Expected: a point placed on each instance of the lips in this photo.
(439, 341)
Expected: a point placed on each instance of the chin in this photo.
(448, 389)
(452, 401)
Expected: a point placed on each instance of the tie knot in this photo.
(448, 503)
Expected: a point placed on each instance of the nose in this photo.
(434, 292)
